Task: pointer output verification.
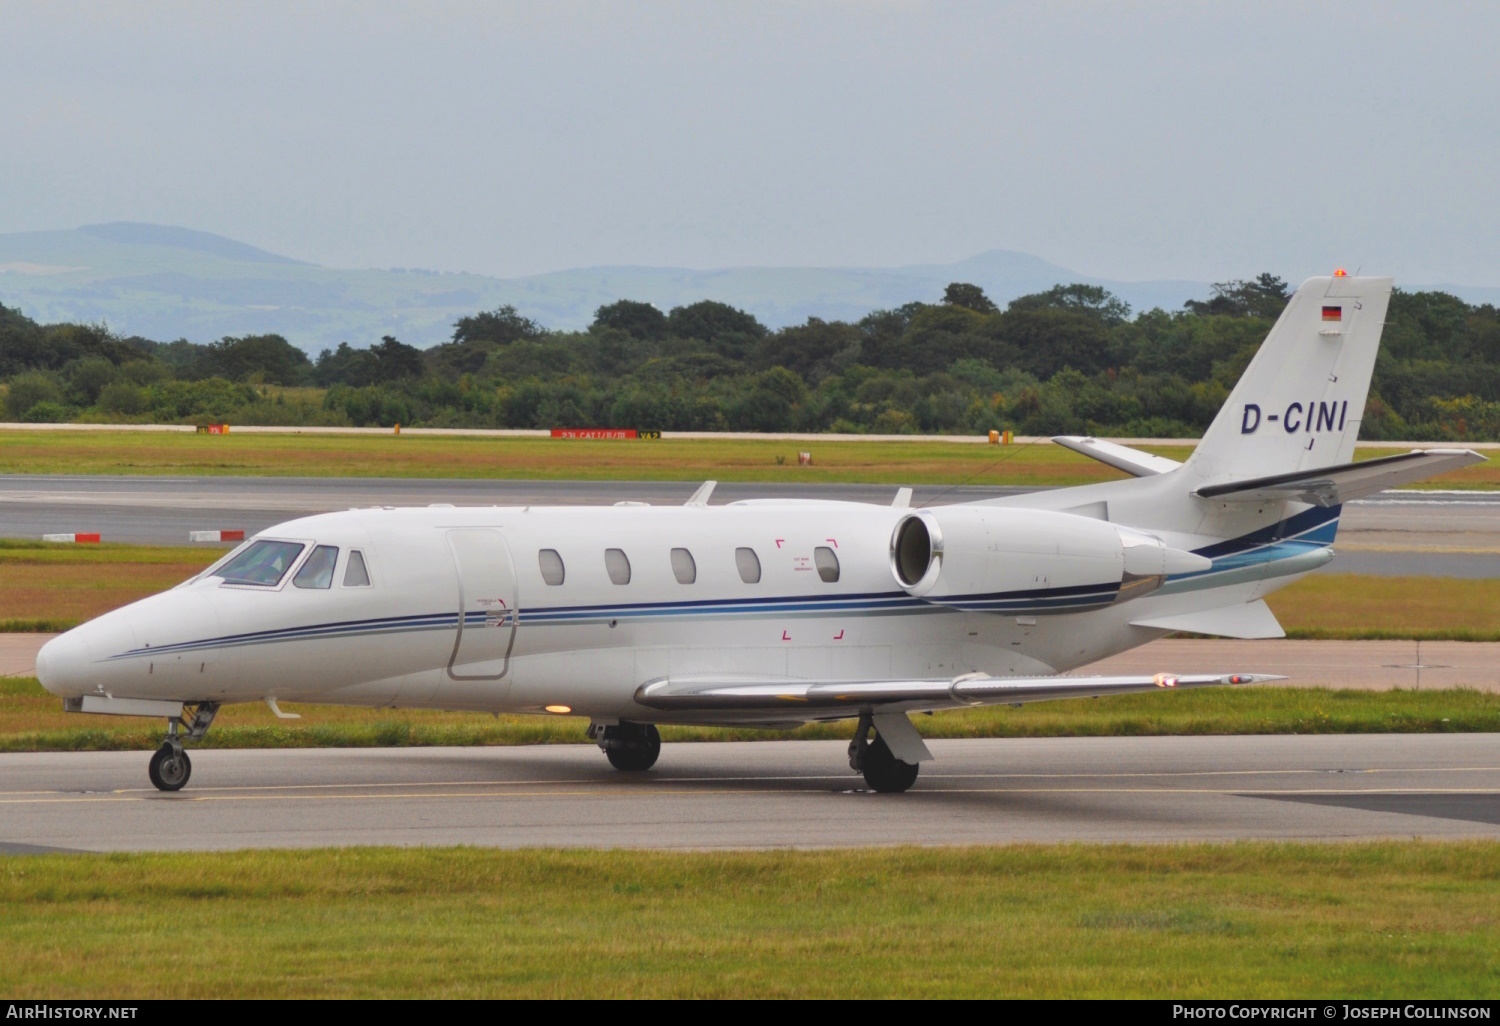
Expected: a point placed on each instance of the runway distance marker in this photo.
(216, 536)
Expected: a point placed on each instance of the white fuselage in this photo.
(457, 613)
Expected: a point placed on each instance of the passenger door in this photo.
(486, 602)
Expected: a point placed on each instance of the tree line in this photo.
(1072, 359)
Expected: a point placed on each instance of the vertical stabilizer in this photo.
(1300, 402)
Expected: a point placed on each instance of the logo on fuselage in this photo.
(1313, 416)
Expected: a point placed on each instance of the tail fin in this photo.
(1300, 402)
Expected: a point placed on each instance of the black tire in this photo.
(633, 746)
(883, 771)
(170, 768)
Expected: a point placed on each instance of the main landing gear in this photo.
(870, 755)
(628, 746)
(170, 767)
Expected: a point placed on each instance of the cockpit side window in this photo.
(356, 575)
(317, 572)
(262, 563)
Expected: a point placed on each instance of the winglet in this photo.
(700, 497)
(902, 499)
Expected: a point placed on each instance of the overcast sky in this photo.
(1124, 140)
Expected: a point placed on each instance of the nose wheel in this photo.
(170, 767)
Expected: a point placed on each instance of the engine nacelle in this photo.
(1002, 560)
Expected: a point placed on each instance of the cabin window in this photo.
(317, 572)
(262, 563)
(827, 563)
(683, 567)
(618, 565)
(552, 567)
(355, 573)
(748, 564)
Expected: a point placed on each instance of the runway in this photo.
(766, 794)
(1439, 534)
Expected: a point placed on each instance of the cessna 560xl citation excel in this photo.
(774, 613)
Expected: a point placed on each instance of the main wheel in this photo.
(170, 768)
(883, 771)
(633, 746)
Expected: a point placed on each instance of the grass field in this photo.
(896, 463)
(1251, 920)
(48, 587)
(1326, 605)
(45, 586)
(33, 720)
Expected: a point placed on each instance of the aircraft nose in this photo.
(62, 665)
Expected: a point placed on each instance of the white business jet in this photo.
(774, 613)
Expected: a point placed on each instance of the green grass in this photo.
(440, 456)
(1249, 920)
(1354, 606)
(32, 720)
(30, 552)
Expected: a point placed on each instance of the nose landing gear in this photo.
(170, 767)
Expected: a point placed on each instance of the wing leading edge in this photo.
(813, 699)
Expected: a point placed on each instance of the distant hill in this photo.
(165, 283)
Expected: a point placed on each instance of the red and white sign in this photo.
(82, 538)
(216, 536)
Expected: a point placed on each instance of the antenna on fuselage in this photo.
(700, 497)
(902, 499)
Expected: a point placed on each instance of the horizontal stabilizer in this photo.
(811, 699)
(1330, 486)
(1121, 457)
(1244, 620)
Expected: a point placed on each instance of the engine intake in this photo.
(916, 550)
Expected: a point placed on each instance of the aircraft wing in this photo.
(1330, 486)
(807, 699)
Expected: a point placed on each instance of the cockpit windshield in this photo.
(263, 563)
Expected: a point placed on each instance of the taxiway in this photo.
(766, 794)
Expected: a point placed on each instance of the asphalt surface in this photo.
(766, 794)
(1439, 534)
